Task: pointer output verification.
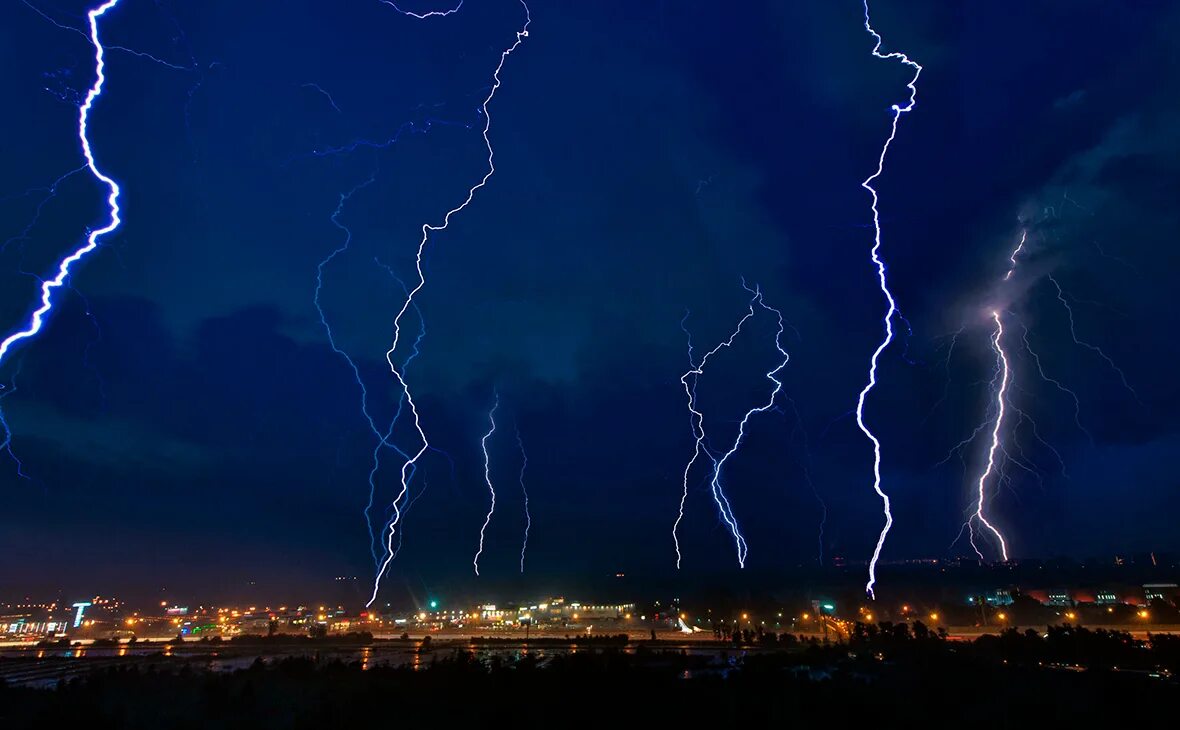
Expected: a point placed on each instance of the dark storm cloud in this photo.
(648, 157)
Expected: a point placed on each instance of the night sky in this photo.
(183, 420)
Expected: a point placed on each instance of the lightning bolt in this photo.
(1077, 404)
(487, 477)
(697, 420)
(427, 228)
(771, 375)
(892, 308)
(528, 518)
(1001, 400)
(5, 430)
(37, 320)
(383, 437)
(1073, 331)
(423, 16)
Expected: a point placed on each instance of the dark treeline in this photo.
(884, 674)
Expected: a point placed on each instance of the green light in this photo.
(434, 604)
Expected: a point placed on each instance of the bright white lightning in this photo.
(1016, 252)
(63, 270)
(771, 375)
(1001, 396)
(487, 477)
(697, 420)
(698, 427)
(427, 228)
(892, 309)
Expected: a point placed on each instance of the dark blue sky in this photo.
(183, 420)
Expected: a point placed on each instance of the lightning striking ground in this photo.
(487, 477)
(697, 420)
(427, 229)
(528, 517)
(772, 376)
(898, 110)
(1001, 400)
(383, 438)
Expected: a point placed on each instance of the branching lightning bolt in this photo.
(383, 438)
(1091, 347)
(697, 417)
(48, 286)
(528, 517)
(422, 16)
(1077, 404)
(427, 229)
(892, 309)
(772, 376)
(487, 477)
(1001, 400)
(697, 420)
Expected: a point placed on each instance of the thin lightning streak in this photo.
(956, 448)
(1016, 252)
(771, 375)
(892, 309)
(1077, 404)
(382, 438)
(5, 430)
(528, 518)
(50, 193)
(63, 270)
(423, 16)
(1001, 395)
(43, 14)
(324, 93)
(1092, 348)
(150, 57)
(697, 420)
(487, 477)
(806, 467)
(427, 229)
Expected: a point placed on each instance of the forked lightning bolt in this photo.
(1003, 372)
(898, 110)
(697, 421)
(772, 376)
(487, 477)
(427, 229)
(37, 320)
